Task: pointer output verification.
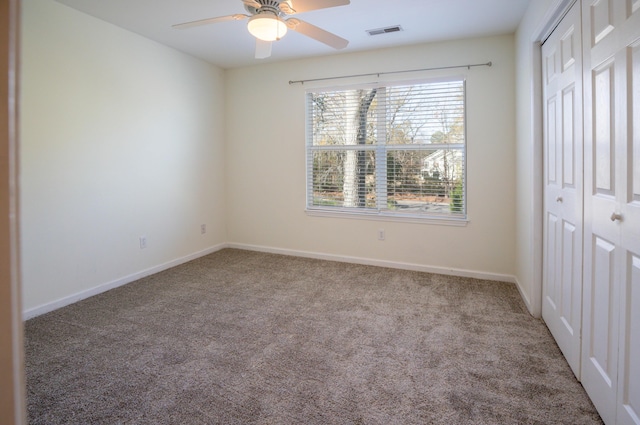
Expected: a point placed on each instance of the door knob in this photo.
(616, 216)
(559, 199)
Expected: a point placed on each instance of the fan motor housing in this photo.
(271, 6)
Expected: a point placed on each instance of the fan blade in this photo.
(316, 33)
(299, 6)
(236, 17)
(263, 49)
(252, 3)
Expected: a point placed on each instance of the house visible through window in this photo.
(390, 150)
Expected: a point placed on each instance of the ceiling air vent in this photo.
(386, 30)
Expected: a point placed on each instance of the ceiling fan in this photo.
(268, 22)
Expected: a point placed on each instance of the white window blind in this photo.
(395, 150)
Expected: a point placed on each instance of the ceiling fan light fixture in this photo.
(267, 27)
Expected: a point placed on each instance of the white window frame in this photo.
(381, 149)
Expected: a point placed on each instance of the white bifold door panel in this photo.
(610, 370)
(563, 186)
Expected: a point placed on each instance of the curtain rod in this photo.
(469, 66)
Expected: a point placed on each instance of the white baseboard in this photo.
(62, 302)
(381, 263)
(54, 305)
(527, 301)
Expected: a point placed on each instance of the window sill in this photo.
(382, 216)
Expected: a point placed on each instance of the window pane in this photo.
(344, 178)
(426, 181)
(343, 117)
(398, 150)
(426, 113)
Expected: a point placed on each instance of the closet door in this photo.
(563, 188)
(629, 352)
(611, 305)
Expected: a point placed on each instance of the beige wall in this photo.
(121, 137)
(124, 137)
(529, 154)
(11, 364)
(266, 163)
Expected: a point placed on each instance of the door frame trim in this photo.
(12, 375)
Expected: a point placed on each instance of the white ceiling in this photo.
(229, 45)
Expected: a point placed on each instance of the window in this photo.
(392, 150)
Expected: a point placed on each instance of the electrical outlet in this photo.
(143, 242)
(203, 229)
(381, 234)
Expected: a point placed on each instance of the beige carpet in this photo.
(241, 337)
